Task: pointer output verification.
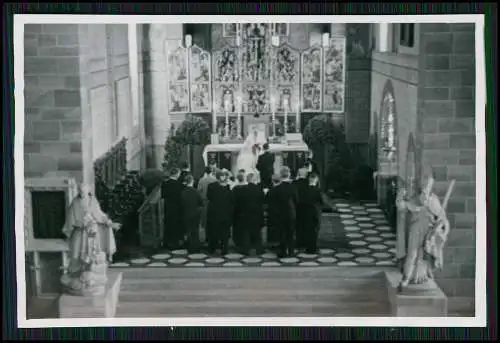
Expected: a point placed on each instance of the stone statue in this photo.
(427, 234)
(90, 234)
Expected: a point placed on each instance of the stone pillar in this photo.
(137, 138)
(161, 38)
(337, 29)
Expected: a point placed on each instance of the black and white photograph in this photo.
(250, 170)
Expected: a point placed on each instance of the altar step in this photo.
(253, 292)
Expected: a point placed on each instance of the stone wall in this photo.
(401, 72)
(77, 97)
(447, 122)
(53, 114)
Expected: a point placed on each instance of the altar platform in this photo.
(224, 154)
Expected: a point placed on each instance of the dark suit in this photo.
(272, 215)
(300, 186)
(192, 205)
(265, 166)
(248, 216)
(286, 201)
(171, 195)
(219, 216)
(312, 166)
(311, 206)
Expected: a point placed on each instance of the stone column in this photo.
(137, 137)
(338, 29)
(161, 38)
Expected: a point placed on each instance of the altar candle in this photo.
(285, 119)
(226, 124)
(326, 39)
(297, 125)
(273, 118)
(238, 123)
(189, 41)
(275, 40)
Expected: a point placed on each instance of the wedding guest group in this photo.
(233, 208)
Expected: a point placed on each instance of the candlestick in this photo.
(326, 39)
(297, 119)
(226, 124)
(238, 119)
(189, 41)
(285, 119)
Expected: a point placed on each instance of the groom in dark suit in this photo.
(265, 166)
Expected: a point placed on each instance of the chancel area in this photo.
(381, 113)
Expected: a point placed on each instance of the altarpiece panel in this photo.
(312, 79)
(178, 81)
(334, 75)
(200, 80)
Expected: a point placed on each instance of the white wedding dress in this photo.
(247, 158)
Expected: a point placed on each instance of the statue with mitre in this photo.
(428, 232)
(91, 239)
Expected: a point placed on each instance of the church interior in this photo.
(379, 105)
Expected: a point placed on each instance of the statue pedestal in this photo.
(101, 306)
(426, 300)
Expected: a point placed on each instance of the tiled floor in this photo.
(369, 240)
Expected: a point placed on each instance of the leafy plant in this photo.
(193, 131)
(151, 178)
(173, 151)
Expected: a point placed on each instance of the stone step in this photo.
(377, 294)
(251, 309)
(261, 284)
(255, 272)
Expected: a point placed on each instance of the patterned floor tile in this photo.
(361, 251)
(289, 260)
(369, 241)
(327, 260)
(161, 256)
(197, 256)
(177, 260)
(234, 256)
(252, 260)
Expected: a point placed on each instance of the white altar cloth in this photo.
(236, 147)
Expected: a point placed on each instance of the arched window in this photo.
(388, 138)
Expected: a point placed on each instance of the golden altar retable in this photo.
(256, 75)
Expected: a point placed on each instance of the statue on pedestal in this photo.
(92, 244)
(427, 234)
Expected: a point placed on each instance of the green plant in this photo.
(173, 151)
(193, 131)
(151, 178)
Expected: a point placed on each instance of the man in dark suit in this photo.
(311, 205)
(301, 185)
(250, 204)
(272, 211)
(171, 194)
(239, 219)
(192, 205)
(219, 213)
(265, 166)
(185, 171)
(310, 164)
(286, 197)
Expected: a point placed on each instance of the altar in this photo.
(224, 155)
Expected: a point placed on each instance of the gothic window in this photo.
(388, 128)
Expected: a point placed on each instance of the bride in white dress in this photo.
(249, 153)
